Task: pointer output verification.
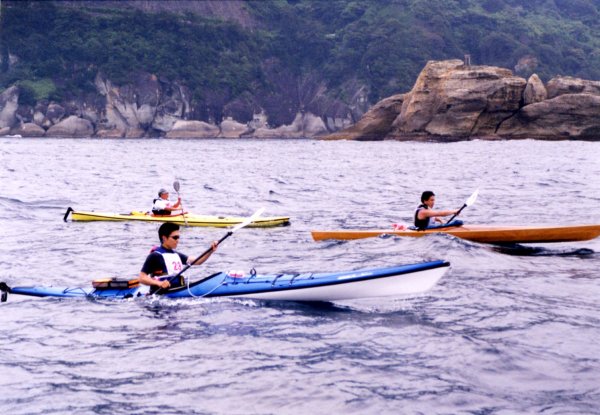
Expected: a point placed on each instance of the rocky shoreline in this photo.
(149, 107)
(450, 101)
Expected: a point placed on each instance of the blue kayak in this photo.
(395, 281)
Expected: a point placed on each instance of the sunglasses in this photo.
(176, 237)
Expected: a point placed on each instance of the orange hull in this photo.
(478, 233)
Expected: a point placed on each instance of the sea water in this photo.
(504, 332)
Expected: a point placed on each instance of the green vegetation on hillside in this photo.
(383, 43)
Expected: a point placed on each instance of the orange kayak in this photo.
(478, 233)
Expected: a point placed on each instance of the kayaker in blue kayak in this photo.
(165, 261)
(162, 205)
(425, 216)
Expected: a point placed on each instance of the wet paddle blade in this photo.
(472, 198)
(468, 202)
(176, 186)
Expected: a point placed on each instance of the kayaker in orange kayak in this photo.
(425, 216)
(162, 205)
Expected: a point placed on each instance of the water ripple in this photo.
(506, 330)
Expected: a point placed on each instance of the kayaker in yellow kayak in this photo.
(425, 216)
(164, 260)
(162, 205)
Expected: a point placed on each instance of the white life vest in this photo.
(160, 204)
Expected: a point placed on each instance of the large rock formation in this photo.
(130, 109)
(562, 85)
(452, 101)
(566, 116)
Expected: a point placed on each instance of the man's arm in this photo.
(427, 213)
(148, 280)
(203, 259)
(153, 262)
(175, 206)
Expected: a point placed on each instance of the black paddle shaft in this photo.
(457, 213)
(187, 266)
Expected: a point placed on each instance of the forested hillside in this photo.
(53, 50)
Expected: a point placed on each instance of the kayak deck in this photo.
(400, 280)
(190, 218)
(478, 233)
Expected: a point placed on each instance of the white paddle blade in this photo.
(249, 220)
(472, 199)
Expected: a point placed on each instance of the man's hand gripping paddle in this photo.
(468, 202)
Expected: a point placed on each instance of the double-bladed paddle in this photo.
(176, 187)
(468, 202)
(236, 228)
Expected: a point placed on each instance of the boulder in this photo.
(102, 133)
(4, 131)
(535, 91)
(232, 129)
(562, 85)
(375, 124)
(29, 130)
(565, 116)
(303, 126)
(135, 133)
(25, 113)
(450, 99)
(9, 104)
(54, 113)
(38, 118)
(313, 125)
(71, 126)
(193, 129)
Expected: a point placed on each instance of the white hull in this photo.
(393, 286)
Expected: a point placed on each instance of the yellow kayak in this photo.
(486, 234)
(190, 218)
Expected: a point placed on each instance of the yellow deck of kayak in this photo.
(192, 220)
(477, 233)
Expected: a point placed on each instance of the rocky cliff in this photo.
(148, 106)
(451, 100)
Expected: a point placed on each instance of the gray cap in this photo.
(162, 190)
